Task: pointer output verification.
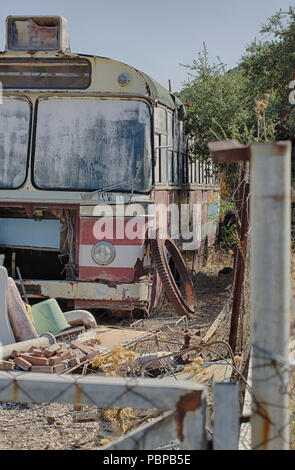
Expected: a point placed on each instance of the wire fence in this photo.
(78, 411)
(113, 400)
(161, 392)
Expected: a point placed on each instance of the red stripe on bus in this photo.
(90, 273)
(116, 231)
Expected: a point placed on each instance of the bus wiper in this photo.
(114, 186)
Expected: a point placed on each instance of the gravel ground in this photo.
(44, 427)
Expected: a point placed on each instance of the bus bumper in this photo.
(92, 294)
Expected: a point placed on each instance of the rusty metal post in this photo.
(270, 293)
(240, 253)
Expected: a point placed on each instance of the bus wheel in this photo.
(184, 303)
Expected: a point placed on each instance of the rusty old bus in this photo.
(77, 132)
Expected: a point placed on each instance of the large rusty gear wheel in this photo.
(183, 304)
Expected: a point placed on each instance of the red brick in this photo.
(66, 363)
(59, 368)
(46, 369)
(14, 354)
(34, 360)
(80, 355)
(77, 345)
(51, 350)
(68, 354)
(75, 361)
(93, 354)
(54, 360)
(62, 348)
(6, 365)
(37, 352)
(22, 363)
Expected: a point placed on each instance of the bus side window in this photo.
(175, 151)
(161, 143)
(183, 155)
(171, 175)
(157, 158)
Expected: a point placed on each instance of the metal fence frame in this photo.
(186, 401)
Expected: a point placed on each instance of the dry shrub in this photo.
(119, 418)
(117, 363)
(226, 182)
(195, 366)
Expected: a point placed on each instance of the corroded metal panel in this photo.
(71, 290)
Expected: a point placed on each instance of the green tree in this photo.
(217, 109)
(269, 66)
(248, 103)
(214, 100)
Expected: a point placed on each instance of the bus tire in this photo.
(183, 304)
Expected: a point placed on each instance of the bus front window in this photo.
(88, 144)
(15, 116)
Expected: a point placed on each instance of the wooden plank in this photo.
(112, 337)
(218, 320)
(219, 371)
(229, 151)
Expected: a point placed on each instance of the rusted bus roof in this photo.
(164, 96)
(104, 76)
(153, 89)
(30, 40)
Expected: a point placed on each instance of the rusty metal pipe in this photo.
(46, 339)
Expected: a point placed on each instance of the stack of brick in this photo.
(53, 359)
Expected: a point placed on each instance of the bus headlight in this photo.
(103, 253)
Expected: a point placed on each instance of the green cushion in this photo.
(48, 317)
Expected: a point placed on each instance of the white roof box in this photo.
(37, 33)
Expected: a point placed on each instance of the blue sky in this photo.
(155, 36)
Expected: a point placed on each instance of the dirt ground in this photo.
(53, 426)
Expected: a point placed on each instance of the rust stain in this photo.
(124, 294)
(229, 151)
(78, 395)
(281, 147)
(189, 402)
(139, 269)
(263, 413)
(15, 391)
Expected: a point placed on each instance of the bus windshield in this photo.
(15, 116)
(92, 143)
